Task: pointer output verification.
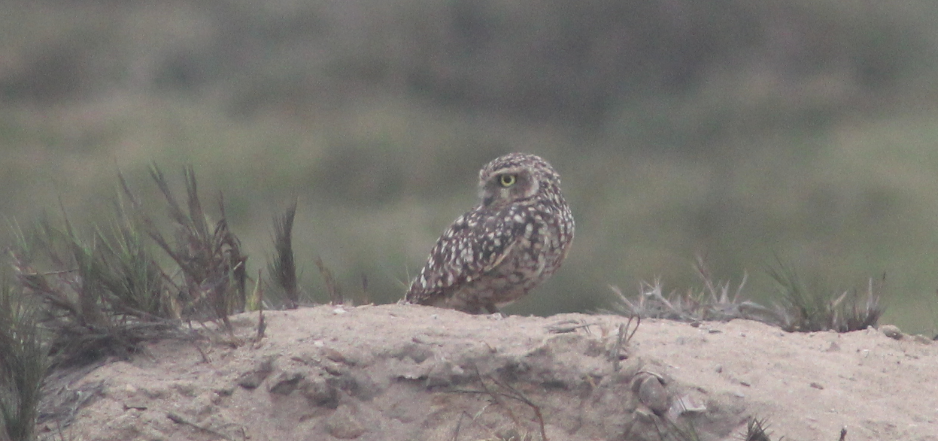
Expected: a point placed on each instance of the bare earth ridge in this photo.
(399, 372)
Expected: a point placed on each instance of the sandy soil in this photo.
(399, 372)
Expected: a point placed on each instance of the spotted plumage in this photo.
(512, 241)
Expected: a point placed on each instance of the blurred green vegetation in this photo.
(734, 129)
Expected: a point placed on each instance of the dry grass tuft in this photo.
(716, 301)
(801, 309)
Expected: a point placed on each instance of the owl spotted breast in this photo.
(512, 241)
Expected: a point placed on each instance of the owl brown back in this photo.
(512, 241)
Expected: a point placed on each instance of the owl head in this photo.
(515, 177)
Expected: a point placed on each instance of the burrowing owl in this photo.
(512, 241)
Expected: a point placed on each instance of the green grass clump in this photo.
(282, 268)
(75, 297)
(808, 310)
(209, 256)
(105, 293)
(756, 430)
(23, 363)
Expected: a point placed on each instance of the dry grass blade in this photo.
(196, 215)
(259, 295)
(332, 287)
(504, 390)
(623, 336)
(283, 267)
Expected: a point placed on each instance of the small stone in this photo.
(644, 415)
(320, 392)
(891, 331)
(685, 404)
(817, 385)
(254, 378)
(285, 383)
(334, 355)
(185, 388)
(136, 405)
(509, 434)
(250, 380)
(652, 394)
(225, 391)
(342, 424)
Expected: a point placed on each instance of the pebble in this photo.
(891, 331)
(653, 394)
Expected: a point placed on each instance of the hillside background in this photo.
(743, 131)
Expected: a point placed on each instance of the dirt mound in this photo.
(398, 372)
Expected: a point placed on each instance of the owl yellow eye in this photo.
(507, 180)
